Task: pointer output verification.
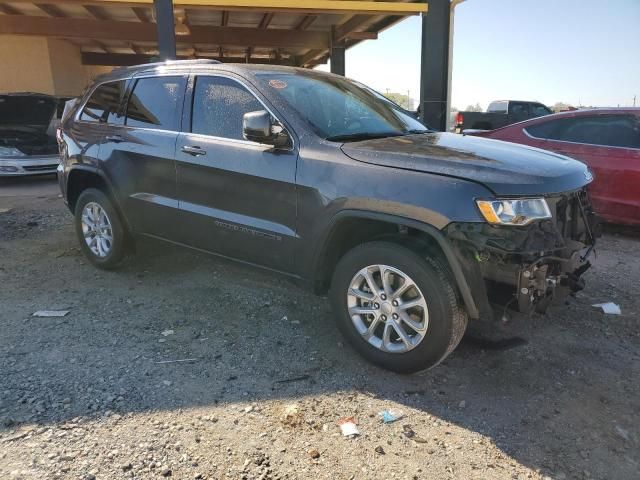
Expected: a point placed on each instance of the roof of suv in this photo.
(182, 65)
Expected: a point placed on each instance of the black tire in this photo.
(447, 320)
(119, 244)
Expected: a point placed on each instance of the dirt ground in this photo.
(100, 394)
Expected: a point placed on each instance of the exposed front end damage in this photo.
(527, 267)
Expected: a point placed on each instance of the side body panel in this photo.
(237, 198)
(329, 182)
(614, 191)
(141, 163)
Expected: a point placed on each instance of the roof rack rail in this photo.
(197, 61)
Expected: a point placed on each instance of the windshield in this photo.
(338, 109)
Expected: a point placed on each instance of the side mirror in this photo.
(259, 127)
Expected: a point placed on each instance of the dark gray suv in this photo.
(412, 232)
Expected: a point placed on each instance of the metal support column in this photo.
(434, 68)
(166, 29)
(337, 56)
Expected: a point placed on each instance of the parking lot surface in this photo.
(179, 365)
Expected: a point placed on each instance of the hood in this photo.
(30, 111)
(504, 168)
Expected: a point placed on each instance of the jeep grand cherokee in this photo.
(412, 232)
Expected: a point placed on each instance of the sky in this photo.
(581, 52)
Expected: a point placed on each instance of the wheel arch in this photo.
(81, 178)
(350, 228)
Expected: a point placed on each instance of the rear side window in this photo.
(605, 130)
(498, 107)
(154, 103)
(104, 103)
(219, 104)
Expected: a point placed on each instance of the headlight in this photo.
(519, 211)
(10, 152)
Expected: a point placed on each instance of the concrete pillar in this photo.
(434, 68)
(166, 29)
(337, 57)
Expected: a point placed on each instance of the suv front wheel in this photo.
(398, 309)
(100, 231)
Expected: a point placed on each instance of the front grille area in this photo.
(574, 217)
(40, 168)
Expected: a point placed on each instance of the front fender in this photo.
(435, 234)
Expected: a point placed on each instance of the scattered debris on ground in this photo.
(239, 392)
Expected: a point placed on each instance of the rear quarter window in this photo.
(104, 103)
(498, 107)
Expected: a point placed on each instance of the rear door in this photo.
(86, 134)
(139, 153)
(238, 197)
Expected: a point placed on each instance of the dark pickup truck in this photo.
(500, 114)
(412, 233)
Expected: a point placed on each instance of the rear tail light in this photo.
(459, 118)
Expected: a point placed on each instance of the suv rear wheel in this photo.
(398, 309)
(100, 231)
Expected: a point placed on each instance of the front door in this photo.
(237, 198)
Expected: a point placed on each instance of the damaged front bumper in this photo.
(527, 267)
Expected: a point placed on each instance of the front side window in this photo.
(154, 103)
(606, 130)
(104, 103)
(338, 109)
(219, 105)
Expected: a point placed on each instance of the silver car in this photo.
(28, 123)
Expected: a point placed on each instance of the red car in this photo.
(607, 140)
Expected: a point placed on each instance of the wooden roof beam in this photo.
(9, 10)
(146, 32)
(96, 12)
(343, 31)
(141, 13)
(127, 59)
(266, 20)
(306, 22)
(51, 10)
(343, 7)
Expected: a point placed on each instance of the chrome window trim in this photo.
(252, 92)
(242, 143)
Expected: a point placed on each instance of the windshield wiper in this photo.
(354, 137)
(416, 131)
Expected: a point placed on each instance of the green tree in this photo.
(474, 108)
(560, 107)
(403, 100)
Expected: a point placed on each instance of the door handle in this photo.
(194, 150)
(114, 138)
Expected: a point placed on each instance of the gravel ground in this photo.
(100, 394)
